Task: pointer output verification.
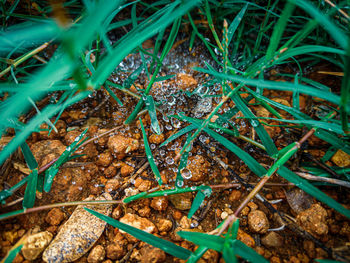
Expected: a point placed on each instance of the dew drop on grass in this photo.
(254, 123)
(180, 183)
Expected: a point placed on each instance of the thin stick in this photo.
(323, 179)
(45, 207)
(339, 10)
(24, 58)
(257, 188)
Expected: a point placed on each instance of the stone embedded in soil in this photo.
(78, 234)
(235, 195)
(54, 217)
(126, 170)
(138, 222)
(156, 139)
(150, 254)
(117, 212)
(46, 151)
(341, 159)
(298, 200)
(35, 244)
(110, 171)
(121, 145)
(258, 221)
(313, 220)
(272, 239)
(185, 222)
(245, 238)
(181, 201)
(112, 185)
(159, 203)
(104, 159)
(164, 225)
(142, 185)
(184, 81)
(71, 136)
(115, 251)
(97, 254)
(198, 167)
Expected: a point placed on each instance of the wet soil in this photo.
(114, 161)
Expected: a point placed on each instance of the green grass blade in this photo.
(228, 253)
(334, 140)
(339, 36)
(30, 192)
(279, 29)
(273, 85)
(235, 23)
(132, 77)
(198, 200)
(149, 102)
(201, 239)
(178, 134)
(197, 254)
(307, 50)
(245, 157)
(112, 94)
(27, 35)
(172, 36)
(28, 156)
(164, 245)
(345, 93)
(246, 252)
(12, 254)
(150, 156)
(312, 190)
(263, 135)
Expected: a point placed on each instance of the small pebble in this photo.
(258, 221)
(97, 254)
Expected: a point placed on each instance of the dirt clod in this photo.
(314, 220)
(54, 217)
(152, 255)
(35, 244)
(97, 254)
(159, 203)
(272, 239)
(115, 251)
(258, 221)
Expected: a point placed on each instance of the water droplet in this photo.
(180, 183)
(169, 160)
(254, 123)
(194, 224)
(186, 173)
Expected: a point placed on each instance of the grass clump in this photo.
(245, 40)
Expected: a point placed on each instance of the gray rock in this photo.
(78, 234)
